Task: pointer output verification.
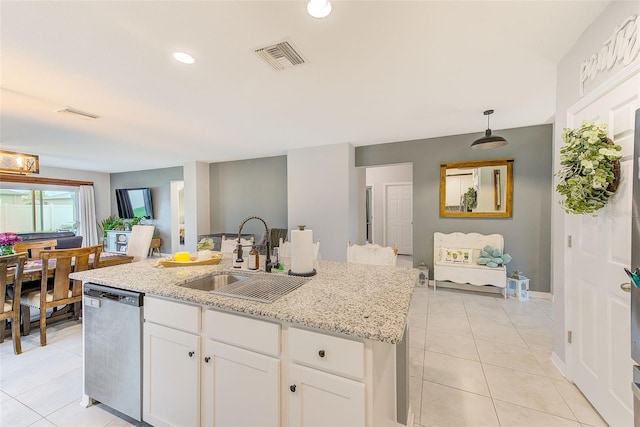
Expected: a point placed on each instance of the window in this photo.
(38, 210)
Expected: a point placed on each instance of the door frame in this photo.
(386, 185)
(593, 96)
(373, 209)
(176, 186)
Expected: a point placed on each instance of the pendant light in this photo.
(488, 140)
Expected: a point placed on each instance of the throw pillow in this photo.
(456, 255)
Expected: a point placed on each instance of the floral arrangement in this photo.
(205, 244)
(9, 239)
(590, 168)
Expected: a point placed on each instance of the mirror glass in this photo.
(482, 188)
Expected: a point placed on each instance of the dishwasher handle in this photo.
(100, 292)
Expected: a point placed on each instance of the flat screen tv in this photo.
(134, 202)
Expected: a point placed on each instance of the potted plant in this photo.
(112, 222)
(471, 199)
(590, 168)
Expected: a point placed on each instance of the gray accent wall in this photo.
(527, 234)
(244, 188)
(159, 180)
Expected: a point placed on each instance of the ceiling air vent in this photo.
(77, 113)
(281, 55)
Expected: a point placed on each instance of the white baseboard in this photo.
(562, 367)
(541, 295)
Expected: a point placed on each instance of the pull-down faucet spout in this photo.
(267, 262)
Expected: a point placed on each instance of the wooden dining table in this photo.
(33, 268)
(33, 273)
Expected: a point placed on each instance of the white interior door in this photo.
(599, 311)
(399, 217)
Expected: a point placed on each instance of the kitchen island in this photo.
(325, 352)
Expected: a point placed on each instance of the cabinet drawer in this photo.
(333, 354)
(175, 315)
(243, 332)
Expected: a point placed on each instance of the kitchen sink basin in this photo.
(261, 287)
(211, 283)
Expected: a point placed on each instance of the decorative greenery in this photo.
(112, 222)
(205, 243)
(135, 221)
(471, 198)
(588, 162)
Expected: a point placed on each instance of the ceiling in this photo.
(376, 72)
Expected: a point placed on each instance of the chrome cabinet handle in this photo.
(626, 287)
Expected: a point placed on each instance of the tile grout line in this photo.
(484, 374)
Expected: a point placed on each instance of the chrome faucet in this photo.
(267, 263)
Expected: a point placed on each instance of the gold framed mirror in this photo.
(477, 189)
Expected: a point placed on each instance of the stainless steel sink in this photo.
(211, 283)
(262, 287)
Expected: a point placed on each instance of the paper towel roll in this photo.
(301, 251)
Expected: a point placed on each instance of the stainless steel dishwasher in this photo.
(112, 327)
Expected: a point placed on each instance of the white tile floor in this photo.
(43, 385)
(480, 360)
(475, 360)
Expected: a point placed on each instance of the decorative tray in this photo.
(171, 262)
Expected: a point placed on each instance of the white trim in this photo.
(373, 212)
(606, 87)
(384, 209)
(541, 295)
(558, 363)
(175, 214)
(598, 92)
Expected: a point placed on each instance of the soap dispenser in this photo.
(254, 258)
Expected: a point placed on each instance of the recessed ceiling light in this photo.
(319, 8)
(185, 58)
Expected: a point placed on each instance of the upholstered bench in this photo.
(455, 255)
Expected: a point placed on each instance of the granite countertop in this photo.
(365, 301)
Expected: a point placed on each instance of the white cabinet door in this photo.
(241, 387)
(171, 377)
(320, 399)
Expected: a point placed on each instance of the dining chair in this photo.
(10, 307)
(139, 242)
(34, 248)
(372, 254)
(62, 291)
(284, 249)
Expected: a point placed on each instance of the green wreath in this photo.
(590, 168)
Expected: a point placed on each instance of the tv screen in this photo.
(134, 202)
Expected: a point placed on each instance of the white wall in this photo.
(377, 177)
(196, 200)
(568, 80)
(324, 190)
(101, 185)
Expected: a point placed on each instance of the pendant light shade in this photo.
(488, 140)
